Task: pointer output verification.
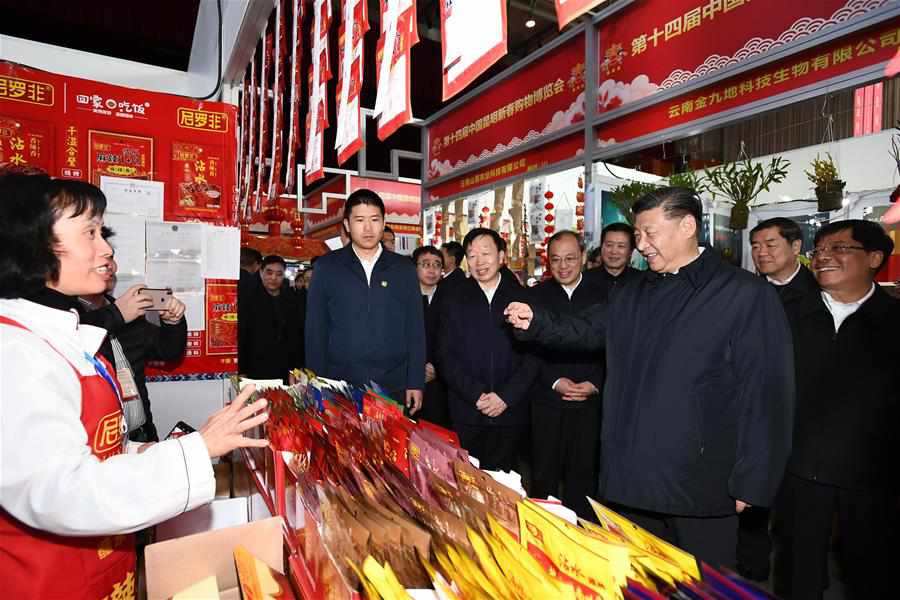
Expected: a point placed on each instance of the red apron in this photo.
(38, 564)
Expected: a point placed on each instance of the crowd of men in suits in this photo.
(691, 396)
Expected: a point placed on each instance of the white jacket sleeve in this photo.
(48, 477)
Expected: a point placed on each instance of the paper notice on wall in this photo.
(177, 275)
(176, 241)
(221, 252)
(195, 309)
(133, 196)
(565, 219)
(129, 242)
(124, 281)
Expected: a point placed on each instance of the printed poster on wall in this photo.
(474, 37)
(119, 155)
(221, 317)
(197, 180)
(26, 143)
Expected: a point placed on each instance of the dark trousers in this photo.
(804, 517)
(497, 448)
(434, 404)
(754, 543)
(565, 450)
(712, 540)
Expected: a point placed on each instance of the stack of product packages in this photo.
(383, 507)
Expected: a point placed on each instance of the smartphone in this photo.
(160, 297)
(181, 428)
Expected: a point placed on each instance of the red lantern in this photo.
(549, 206)
(548, 194)
(549, 229)
(548, 218)
(485, 209)
(439, 216)
(579, 196)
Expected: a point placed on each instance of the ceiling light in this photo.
(530, 23)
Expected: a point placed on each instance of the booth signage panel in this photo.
(80, 129)
(836, 58)
(402, 203)
(650, 47)
(544, 97)
(531, 160)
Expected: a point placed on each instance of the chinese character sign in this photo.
(319, 74)
(350, 77)
(653, 46)
(399, 33)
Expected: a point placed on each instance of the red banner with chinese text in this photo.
(473, 37)
(81, 129)
(520, 164)
(544, 97)
(221, 317)
(568, 10)
(653, 46)
(402, 202)
(836, 58)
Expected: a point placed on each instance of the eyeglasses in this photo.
(430, 265)
(568, 260)
(833, 249)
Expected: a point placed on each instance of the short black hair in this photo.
(27, 261)
(363, 196)
(594, 254)
(676, 203)
(250, 256)
(621, 228)
(456, 250)
(480, 231)
(869, 234)
(426, 250)
(565, 233)
(273, 259)
(387, 229)
(30, 204)
(787, 228)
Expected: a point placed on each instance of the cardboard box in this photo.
(218, 514)
(176, 564)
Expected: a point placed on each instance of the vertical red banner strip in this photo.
(274, 187)
(250, 171)
(859, 108)
(877, 107)
(290, 177)
(473, 37)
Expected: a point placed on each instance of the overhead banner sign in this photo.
(354, 23)
(399, 33)
(519, 164)
(274, 187)
(544, 97)
(473, 36)
(837, 58)
(649, 47)
(319, 74)
(569, 10)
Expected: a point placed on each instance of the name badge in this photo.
(126, 382)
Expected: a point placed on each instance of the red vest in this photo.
(38, 564)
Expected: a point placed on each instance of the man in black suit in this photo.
(364, 317)
(429, 263)
(616, 247)
(565, 407)
(273, 326)
(453, 256)
(487, 372)
(775, 246)
(843, 466)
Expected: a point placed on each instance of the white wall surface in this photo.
(189, 401)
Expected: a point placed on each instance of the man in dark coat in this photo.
(616, 247)
(775, 245)
(775, 248)
(429, 262)
(565, 397)
(248, 285)
(453, 257)
(273, 326)
(843, 466)
(364, 318)
(698, 400)
(487, 372)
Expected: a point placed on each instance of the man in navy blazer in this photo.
(364, 317)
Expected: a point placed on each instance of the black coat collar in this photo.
(875, 308)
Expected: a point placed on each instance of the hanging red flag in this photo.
(568, 10)
(473, 35)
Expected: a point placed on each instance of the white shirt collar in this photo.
(569, 290)
(368, 266)
(490, 292)
(430, 295)
(700, 250)
(786, 281)
(841, 310)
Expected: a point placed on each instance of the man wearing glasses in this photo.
(429, 266)
(565, 407)
(844, 461)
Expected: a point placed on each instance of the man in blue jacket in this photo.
(364, 312)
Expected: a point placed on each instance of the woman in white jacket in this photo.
(71, 491)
